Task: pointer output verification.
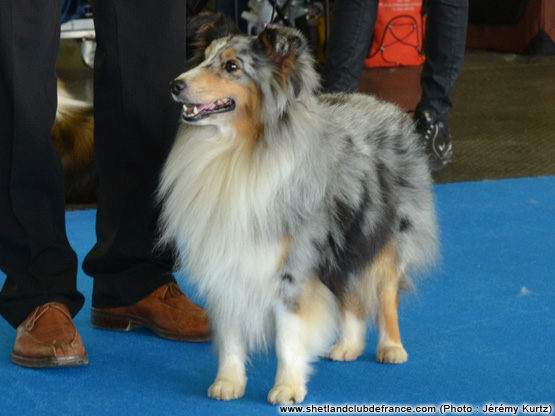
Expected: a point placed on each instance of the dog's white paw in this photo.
(226, 389)
(391, 354)
(345, 352)
(287, 394)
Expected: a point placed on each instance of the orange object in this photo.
(398, 34)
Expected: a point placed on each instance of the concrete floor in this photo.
(503, 118)
(502, 122)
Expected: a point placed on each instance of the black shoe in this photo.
(436, 138)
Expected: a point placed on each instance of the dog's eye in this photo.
(230, 66)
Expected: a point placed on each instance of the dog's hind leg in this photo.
(359, 304)
(390, 349)
(231, 380)
(353, 332)
(303, 332)
(375, 293)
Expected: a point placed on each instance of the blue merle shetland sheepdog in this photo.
(298, 216)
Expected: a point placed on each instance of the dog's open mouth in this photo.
(196, 112)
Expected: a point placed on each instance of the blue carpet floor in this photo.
(480, 330)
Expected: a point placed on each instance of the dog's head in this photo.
(248, 79)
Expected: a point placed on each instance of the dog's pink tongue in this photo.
(201, 107)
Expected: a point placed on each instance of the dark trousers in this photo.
(34, 250)
(351, 35)
(141, 48)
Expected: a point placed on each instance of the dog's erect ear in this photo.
(204, 28)
(281, 44)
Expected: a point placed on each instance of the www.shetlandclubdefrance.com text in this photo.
(443, 409)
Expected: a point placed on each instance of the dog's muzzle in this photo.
(197, 111)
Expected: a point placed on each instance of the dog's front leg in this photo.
(231, 380)
(305, 328)
(293, 358)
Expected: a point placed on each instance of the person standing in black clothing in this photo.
(140, 48)
(349, 43)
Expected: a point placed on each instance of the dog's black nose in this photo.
(177, 87)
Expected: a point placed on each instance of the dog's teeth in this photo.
(195, 110)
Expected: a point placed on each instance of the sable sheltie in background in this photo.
(73, 137)
(298, 216)
(73, 131)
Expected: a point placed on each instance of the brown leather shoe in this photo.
(47, 338)
(166, 311)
